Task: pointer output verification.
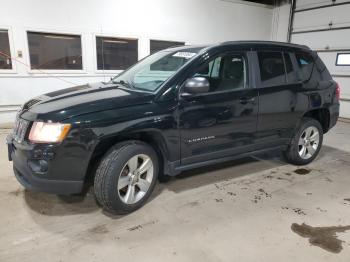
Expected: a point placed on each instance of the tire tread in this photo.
(102, 181)
(291, 154)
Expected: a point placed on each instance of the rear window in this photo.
(272, 71)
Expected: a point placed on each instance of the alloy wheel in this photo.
(135, 179)
(308, 142)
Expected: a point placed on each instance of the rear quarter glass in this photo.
(322, 68)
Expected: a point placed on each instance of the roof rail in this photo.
(261, 42)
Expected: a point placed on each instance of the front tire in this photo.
(126, 177)
(306, 143)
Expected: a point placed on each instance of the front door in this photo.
(223, 121)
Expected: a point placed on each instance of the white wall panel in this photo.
(326, 39)
(344, 83)
(302, 4)
(345, 109)
(320, 18)
(329, 59)
(317, 19)
(280, 23)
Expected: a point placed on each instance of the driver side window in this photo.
(225, 72)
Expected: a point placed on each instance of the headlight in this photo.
(48, 132)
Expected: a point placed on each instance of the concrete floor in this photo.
(239, 211)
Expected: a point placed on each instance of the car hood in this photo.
(66, 103)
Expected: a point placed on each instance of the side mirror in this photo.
(196, 85)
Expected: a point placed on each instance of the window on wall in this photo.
(5, 53)
(116, 53)
(55, 51)
(157, 45)
(272, 71)
(343, 59)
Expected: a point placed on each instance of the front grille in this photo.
(20, 129)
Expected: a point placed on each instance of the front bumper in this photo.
(35, 169)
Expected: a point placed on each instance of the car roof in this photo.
(249, 44)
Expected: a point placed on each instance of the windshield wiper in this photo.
(123, 83)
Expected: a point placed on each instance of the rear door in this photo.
(281, 98)
(223, 121)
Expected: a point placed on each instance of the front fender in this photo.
(154, 122)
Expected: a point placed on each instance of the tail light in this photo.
(337, 92)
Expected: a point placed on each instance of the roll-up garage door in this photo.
(324, 25)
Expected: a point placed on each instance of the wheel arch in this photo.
(154, 138)
(322, 115)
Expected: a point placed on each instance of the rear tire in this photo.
(126, 177)
(306, 143)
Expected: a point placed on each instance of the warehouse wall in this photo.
(280, 21)
(195, 21)
(328, 42)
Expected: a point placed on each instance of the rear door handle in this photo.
(246, 100)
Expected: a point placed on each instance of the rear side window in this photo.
(312, 69)
(306, 64)
(272, 70)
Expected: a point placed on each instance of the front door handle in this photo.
(246, 100)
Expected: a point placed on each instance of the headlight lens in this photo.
(48, 132)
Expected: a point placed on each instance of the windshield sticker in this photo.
(236, 60)
(186, 55)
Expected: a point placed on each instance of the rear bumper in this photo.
(334, 115)
(29, 174)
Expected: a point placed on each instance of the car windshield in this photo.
(150, 73)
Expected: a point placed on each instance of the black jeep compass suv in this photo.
(177, 109)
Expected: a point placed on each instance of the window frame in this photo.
(13, 70)
(162, 40)
(109, 35)
(336, 59)
(247, 85)
(299, 73)
(294, 63)
(56, 71)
